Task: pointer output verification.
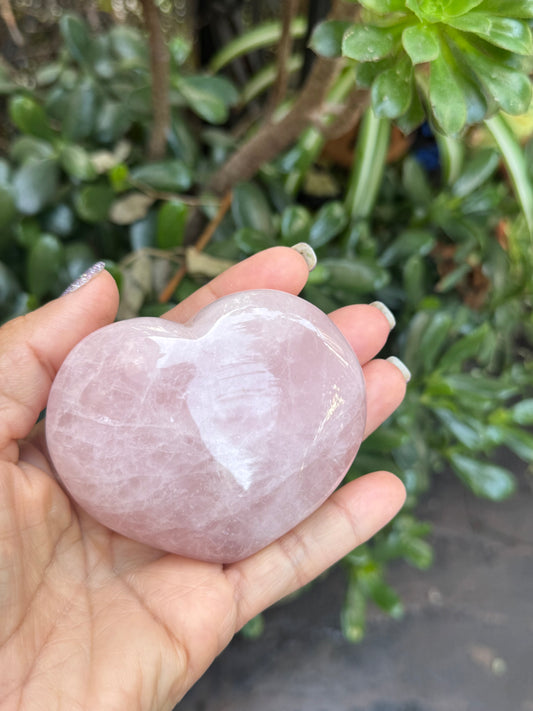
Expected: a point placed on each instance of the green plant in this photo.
(448, 249)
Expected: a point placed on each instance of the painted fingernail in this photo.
(308, 253)
(85, 277)
(380, 306)
(404, 370)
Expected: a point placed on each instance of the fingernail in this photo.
(85, 277)
(380, 306)
(308, 253)
(404, 370)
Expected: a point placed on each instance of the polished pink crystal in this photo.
(213, 438)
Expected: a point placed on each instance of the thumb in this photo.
(32, 348)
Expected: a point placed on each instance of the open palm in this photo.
(92, 620)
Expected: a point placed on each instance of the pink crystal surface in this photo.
(213, 438)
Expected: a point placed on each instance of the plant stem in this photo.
(273, 137)
(289, 9)
(368, 166)
(159, 66)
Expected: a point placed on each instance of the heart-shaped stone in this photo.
(213, 438)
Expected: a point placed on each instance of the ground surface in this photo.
(465, 643)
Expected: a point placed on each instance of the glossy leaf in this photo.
(407, 243)
(143, 232)
(60, 220)
(35, 184)
(251, 241)
(434, 338)
(171, 219)
(420, 43)
(522, 9)
(465, 348)
(383, 7)
(354, 276)
(522, 412)
(209, 97)
(78, 258)
(250, 208)
(76, 35)
(81, 112)
(329, 222)
(182, 141)
(519, 441)
(478, 169)
(392, 91)
(366, 43)
(326, 39)
(30, 117)
(165, 175)
(7, 206)
(506, 32)
(93, 202)
(295, 224)
(446, 98)
(44, 264)
(128, 45)
(77, 163)
(486, 480)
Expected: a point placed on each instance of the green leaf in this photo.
(392, 91)
(478, 169)
(93, 202)
(329, 222)
(486, 480)
(254, 628)
(128, 45)
(209, 97)
(60, 220)
(366, 43)
(522, 412)
(446, 98)
(295, 224)
(26, 148)
(420, 43)
(9, 290)
(7, 207)
(142, 232)
(30, 117)
(180, 49)
(250, 208)
(326, 39)
(414, 279)
(35, 185)
(81, 112)
(353, 612)
(522, 9)
(77, 163)
(519, 441)
(408, 242)
(251, 241)
(165, 175)
(264, 34)
(465, 348)
(511, 34)
(465, 433)
(355, 276)
(111, 122)
(182, 141)
(416, 183)
(509, 88)
(78, 257)
(45, 261)
(516, 164)
(171, 220)
(76, 36)
(417, 552)
(434, 338)
(383, 7)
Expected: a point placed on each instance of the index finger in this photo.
(281, 268)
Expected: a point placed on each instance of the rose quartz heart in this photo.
(213, 438)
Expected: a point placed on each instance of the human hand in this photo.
(92, 620)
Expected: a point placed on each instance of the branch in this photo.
(9, 18)
(272, 138)
(289, 9)
(159, 66)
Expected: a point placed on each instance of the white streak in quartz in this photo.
(213, 438)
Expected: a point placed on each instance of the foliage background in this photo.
(113, 148)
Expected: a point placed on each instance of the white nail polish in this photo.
(380, 306)
(404, 370)
(308, 253)
(85, 277)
